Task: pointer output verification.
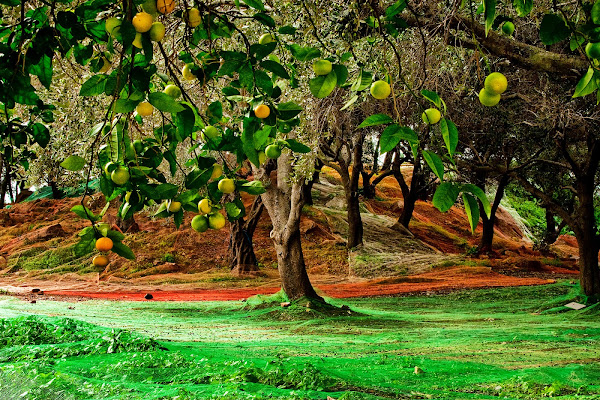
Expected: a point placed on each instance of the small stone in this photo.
(148, 296)
(418, 371)
(285, 304)
(71, 308)
(35, 290)
(33, 301)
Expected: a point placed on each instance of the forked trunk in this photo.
(487, 237)
(241, 251)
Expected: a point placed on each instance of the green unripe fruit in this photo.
(273, 151)
(322, 67)
(173, 91)
(200, 223)
(431, 116)
(266, 39)
(593, 50)
(120, 176)
(380, 90)
(495, 83)
(508, 28)
(488, 99)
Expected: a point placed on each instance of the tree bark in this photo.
(355, 225)
(587, 239)
(241, 249)
(410, 194)
(487, 237)
(56, 192)
(308, 199)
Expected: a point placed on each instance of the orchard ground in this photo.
(414, 326)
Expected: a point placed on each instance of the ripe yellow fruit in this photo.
(100, 261)
(488, 99)
(266, 39)
(104, 244)
(137, 42)
(431, 116)
(495, 83)
(142, 22)
(173, 91)
(226, 185)
(157, 32)
(204, 206)
(165, 6)
(216, 221)
(192, 17)
(113, 27)
(120, 176)
(217, 171)
(144, 109)
(186, 71)
(200, 223)
(262, 111)
(322, 67)
(380, 90)
(174, 206)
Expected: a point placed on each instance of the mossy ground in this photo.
(511, 343)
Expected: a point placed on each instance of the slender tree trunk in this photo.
(355, 225)
(56, 192)
(308, 199)
(487, 237)
(5, 183)
(409, 194)
(587, 239)
(241, 248)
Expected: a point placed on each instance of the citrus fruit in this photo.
(174, 207)
(273, 151)
(100, 261)
(165, 6)
(211, 132)
(137, 42)
(105, 65)
(157, 32)
(192, 17)
(186, 71)
(322, 67)
(142, 22)
(144, 109)
(508, 28)
(104, 244)
(200, 223)
(262, 111)
(488, 99)
(226, 185)
(150, 7)
(266, 39)
(262, 157)
(593, 50)
(217, 171)
(204, 206)
(173, 91)
(113, 27)
(431, 116)
(120, 176)
(380, 90)
(216, 221)
(495, 83)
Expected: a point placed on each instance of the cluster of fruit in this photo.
(103, 245)
(495, 84)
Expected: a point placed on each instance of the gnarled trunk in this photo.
(487, 237)
(241, 249)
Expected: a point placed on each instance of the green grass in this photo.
(484, 344)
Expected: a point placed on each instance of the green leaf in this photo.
(595, 13)
(304, 53)
(125, 106)
(85, 213)
(472, 210)
(342, 73)
(115, 236)
(198, 178)
(40, 134)
(322, 86)
(43, 70)
(349, 102)
(85, 246)
(363, 81)
(73, 163)
(476, 190)
(260, 137)
(376, 119)
(587, 84)
(265, 20)
(523, 7)
(123, 251)
(434, 98)
(276, 68)
(450, 135)
(254, 188)
(250, 128)
(489, 13)
(553, 29)
(289, 110)
(93, 86)
(435, 163)
(256, 4)
(185, 121)
(395, 8)
(166, 191)
(164, 102)
(233, 211)
(297, 147)
(445, 196)
(393, 134)
(285, 30)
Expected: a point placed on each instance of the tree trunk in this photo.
(307, 189)
(56, 192)
(409, 194)
(487, 237)
(587, 240)
(355, 225)
(241, 248)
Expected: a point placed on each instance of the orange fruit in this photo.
(262, 111)
(100, 261)
(104, 244)
(165, 6)
(142, 22)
